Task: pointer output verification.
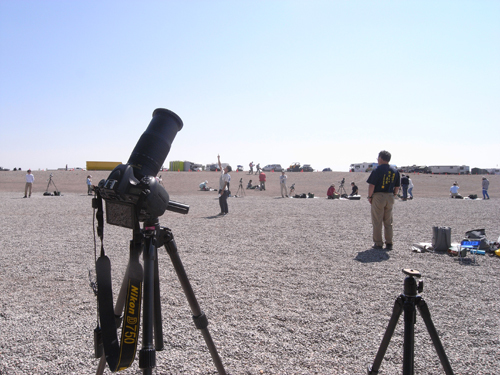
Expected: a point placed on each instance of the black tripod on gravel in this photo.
(107, 347)
(407, 302)
(51, 181)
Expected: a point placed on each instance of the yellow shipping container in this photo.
(176, 166)
(102, 165)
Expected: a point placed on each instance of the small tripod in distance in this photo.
(51, 181)
(342, 191)
(240, 189)
(406, 302)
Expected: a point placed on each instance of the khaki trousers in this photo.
(284, 192)
(382, 204)
(27, 189)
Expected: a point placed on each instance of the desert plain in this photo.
(290, 286)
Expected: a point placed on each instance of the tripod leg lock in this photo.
(200, 321)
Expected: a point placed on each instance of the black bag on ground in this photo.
(478, 234)
(441, 238)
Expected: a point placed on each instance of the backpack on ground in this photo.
(441, 238)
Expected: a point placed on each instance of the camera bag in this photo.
(478, 234)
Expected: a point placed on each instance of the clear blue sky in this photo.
(327, 83)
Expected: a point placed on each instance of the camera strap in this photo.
(119, 356)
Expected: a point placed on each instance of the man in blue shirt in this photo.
(384, 183)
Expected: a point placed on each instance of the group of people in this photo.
(407, 185)
(251, 165)
(485, 185)
(333, 194)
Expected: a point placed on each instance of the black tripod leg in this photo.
(147, 355)
(409, 336)
(396, 313)
(157, 305)
(200, 320)
(426, 316)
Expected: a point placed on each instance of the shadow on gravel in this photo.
(214, 217)
(372, 255)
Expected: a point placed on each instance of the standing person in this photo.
(29, 184)
(283, 178)
(223, 187)
(262, 179)
(454, 190)
(384, 183)
(486, 185)
(251, 167)
(410, 188)
(89, 185)
(404, 184)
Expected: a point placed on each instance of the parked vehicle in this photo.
(327, 170)
(239, 168)
(272, 167)
(295, 167)
(307, 168)
(450, 169)
(362, 167)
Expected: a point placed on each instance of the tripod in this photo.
(240, 189)
(342, 191)
(56, 192)
(146, 241)
(406, 302)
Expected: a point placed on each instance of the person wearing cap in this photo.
(284, 191)
(89, 185)
(454, 190)
(29, 184)
(224, 188)
(486, 185)
(203, 186)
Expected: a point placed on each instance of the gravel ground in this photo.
(290, 286)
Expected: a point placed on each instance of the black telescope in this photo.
(153, 147)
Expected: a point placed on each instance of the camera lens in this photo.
(153, 147)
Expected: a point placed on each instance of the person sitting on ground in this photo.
(203, 186)
(331, 193)
(354, 189)
(454, 190)
(250, 186)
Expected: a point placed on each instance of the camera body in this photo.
(132, 192)
(128, 198)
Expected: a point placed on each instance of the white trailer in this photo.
(362, 167)
(449, 169)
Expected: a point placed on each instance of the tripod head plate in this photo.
(411, 272)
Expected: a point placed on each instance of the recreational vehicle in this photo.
(366, 167)
(450, 169)
(362, 167)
